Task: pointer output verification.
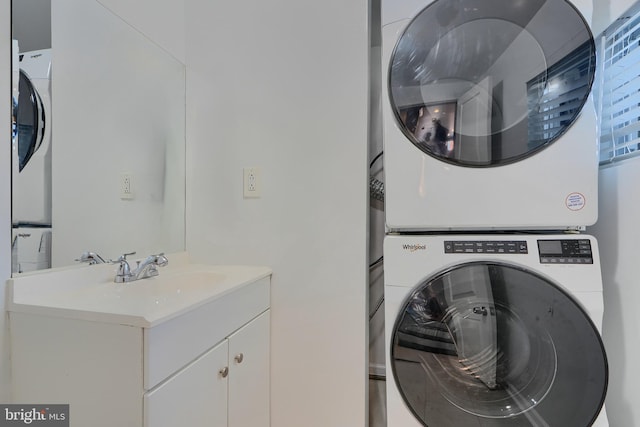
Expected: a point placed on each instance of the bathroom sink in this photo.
(90, 293)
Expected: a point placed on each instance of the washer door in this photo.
(486, 83)
(30, 120)
(489, 344)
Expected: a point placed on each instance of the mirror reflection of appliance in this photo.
(520, 119)
(31, 163)
(494, 330)
(30, 249)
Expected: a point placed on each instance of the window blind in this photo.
(618, 89)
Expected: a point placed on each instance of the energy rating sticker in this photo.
(575, 201)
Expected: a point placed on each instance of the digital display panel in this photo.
(550, 246)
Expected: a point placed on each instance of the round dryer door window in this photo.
(496, 345)
(486, 83)
(30, 120)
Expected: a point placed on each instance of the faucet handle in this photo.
(122, 257)
(124, 270)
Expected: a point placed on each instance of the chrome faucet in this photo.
(144, 269)
(91, 257)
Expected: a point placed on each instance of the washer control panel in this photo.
(575, 251)
(485, 247)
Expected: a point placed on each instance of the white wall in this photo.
(284, 87)
(618, 235)
(607, 11)
(5, 189)
(165, 26)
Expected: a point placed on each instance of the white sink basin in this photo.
(89, 292)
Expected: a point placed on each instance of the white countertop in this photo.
(89, 292)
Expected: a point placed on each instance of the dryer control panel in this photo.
(574, 251)
(485, 246)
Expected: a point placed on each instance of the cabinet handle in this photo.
(239, 358)
(224, 372)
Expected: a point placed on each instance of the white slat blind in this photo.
(618, 91)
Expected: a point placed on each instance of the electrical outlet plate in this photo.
(126, 186)
(251, 183)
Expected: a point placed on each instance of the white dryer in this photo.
(488, 119)
(31, 174)
(494, 330)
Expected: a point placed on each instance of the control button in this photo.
(486, 246)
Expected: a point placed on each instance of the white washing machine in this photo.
(488, 119)
(494, 330)
(30, 249)
(32, 143)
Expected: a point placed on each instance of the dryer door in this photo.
(30, 121)
(495, 345)
(486, 83)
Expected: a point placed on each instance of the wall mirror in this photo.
(99, 137)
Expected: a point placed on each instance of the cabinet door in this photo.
(195, 396)
(249, 374)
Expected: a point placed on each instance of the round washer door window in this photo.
(487, 83)
(496, 345)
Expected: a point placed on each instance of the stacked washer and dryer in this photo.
(493, 296)
(31, 157)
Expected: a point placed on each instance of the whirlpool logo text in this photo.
(414, 247)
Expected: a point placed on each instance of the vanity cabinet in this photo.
(203, 364)
(228, 385)
(207, 388)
